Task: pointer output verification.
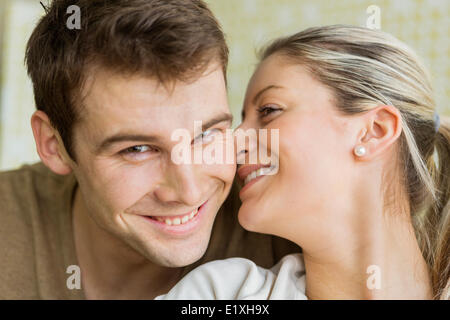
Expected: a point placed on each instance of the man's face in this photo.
(130, 186)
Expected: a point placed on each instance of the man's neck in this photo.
(110, 268)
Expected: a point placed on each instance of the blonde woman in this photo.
(363, 179)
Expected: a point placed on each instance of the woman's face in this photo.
(315, 154)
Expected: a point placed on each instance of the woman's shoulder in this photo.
(239, 278)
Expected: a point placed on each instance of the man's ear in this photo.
(382, 127)
(49, 145)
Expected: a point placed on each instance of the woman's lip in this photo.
(245, 170)
(248, 185)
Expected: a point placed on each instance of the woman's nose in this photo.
(246, 145)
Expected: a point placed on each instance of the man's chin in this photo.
(178, 258)
(172, 254)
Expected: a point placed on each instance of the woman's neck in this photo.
(377, 257)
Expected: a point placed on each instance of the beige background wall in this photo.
(423, 25)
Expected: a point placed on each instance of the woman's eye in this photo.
(267, 109)
(206, 136)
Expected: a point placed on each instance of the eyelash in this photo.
(212, 130)
(263, 109)
(130, 149)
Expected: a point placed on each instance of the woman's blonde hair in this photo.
(363, 68)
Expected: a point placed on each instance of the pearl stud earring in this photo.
(360, 151)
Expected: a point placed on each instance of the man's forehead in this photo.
(156, 119)
(139, 105)
(105, 89)
(100, 78)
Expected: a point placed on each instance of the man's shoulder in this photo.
(29, 194)
(17, 177)
(31, 198)
(30, 186)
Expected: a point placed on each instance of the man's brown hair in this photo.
(170, 40)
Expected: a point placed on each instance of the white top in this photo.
(239, 279)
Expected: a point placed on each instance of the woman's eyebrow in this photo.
(258, 95)
(260, 92)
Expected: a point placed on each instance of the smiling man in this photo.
(107, 204)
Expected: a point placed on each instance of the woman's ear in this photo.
(49, 145)
(382, 127)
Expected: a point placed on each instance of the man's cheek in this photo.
(123, 195)
(225, 173)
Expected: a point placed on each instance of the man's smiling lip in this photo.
(181, 229)
(176, 216)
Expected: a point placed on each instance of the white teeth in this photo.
(179, 220)
(260, 172)
(193, 213)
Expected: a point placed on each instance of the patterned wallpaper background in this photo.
(423, 24)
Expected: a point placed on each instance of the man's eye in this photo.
(137, 149)
(139, 153)
(206, 136)
(267, 109)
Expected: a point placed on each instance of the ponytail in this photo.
(439, 220)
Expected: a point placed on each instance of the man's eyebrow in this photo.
(120, 137)
(224, 117)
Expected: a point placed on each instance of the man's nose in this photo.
(182, 185)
